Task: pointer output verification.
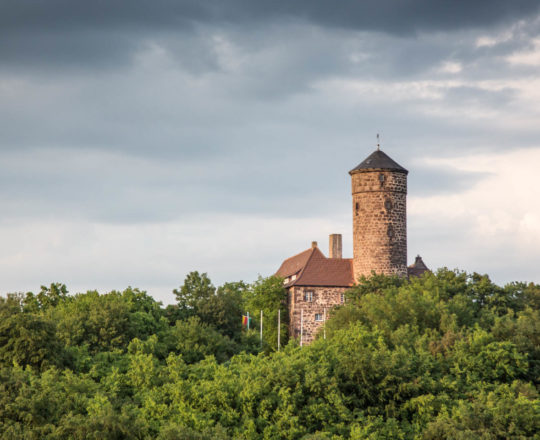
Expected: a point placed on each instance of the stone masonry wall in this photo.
(379, 223)
(322, 298)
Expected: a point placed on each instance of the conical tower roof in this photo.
(417, 268)
(378, 160)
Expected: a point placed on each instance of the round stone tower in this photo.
(379, 193)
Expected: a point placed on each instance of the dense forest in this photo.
(449, 355)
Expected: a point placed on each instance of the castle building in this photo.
(316, 283)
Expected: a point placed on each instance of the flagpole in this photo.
(261, 325)
(278, 328)
(301, 327)
(324, 323)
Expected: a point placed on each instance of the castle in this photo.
(315, 283)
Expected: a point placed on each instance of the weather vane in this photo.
(378, 144)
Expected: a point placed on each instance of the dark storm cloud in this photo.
(384, 15)
(101, 33)
(233, 87)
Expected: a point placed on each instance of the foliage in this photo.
(47, 297)
(27, 338)
(446, 356)
(195, 340)
(107, 322)
(269, 296)
(220, 308)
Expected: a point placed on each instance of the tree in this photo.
(47, 297)
(221, 308)
(197, 289)
(195, 340)
(27, 338)
(268, 295)
(224, 309)
(107, 322)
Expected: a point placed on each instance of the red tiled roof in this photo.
(312, 268)
(294, 264)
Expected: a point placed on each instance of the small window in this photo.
(308, 295)
(388, 204)
(293, 277)
(356, 208)
(390, 231)
(342, 298)
(381, 179)
(286, 280)
(318, 316)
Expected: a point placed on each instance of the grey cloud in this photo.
(469, 95)
(385, 15)
(428, 181)
(102, 34)
(116, 188)
(148, 112)
(258, 130)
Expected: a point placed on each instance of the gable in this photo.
(312, 268)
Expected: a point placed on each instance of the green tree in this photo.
(27, 338)
(196, 290)
(47, 297)
(195, 340)
(221, 308)
(107, 322)
(224, 309)
(268, 295)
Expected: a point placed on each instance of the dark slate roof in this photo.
(312, 268)
(417, 268)
(378, 160)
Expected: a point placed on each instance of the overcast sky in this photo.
(142, 140)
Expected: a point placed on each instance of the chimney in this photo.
(335, 247)
(313, 244)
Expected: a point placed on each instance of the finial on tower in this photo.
(378, 144)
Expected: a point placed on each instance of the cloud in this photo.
(101, 35)
(493, 226)
(153, 256)
(118, 188)
(141, 142)
(441, 180)
(529, 57)
(390, 15)
(489, 224)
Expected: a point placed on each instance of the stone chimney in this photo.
(313, 244)
(335, 247)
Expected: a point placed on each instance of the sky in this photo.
(141, 140)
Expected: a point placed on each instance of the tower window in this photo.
(308, 295)
(318, 316)
(387, 204)
(390, 231)
(356, 207)
(381, 179)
